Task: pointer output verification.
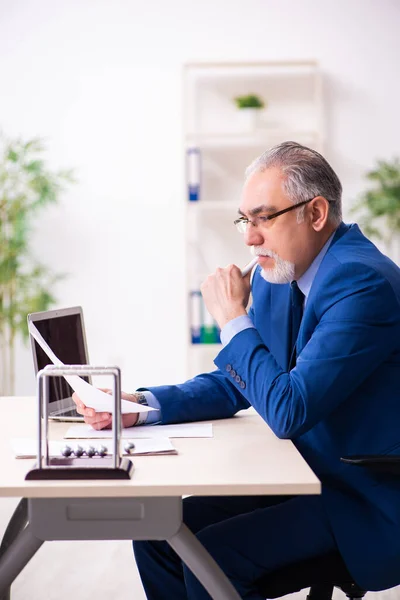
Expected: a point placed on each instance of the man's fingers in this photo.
(93, 417)
(80, 410)
(77, 400)
(98, 420)
(103, 424)
(85, 411)
(102, 420)
(247, 277)
(80, 407)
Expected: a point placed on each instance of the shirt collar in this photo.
(306, 280)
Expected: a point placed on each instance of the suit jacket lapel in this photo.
(325, 266)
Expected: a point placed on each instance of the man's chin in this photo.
(268, 274)
(276, 270)
(272, 276)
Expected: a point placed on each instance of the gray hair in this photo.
(307, 175)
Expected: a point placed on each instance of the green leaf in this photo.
(382, 201)
(12, 156)
(27, 186)
(35, 166)
(249, 101)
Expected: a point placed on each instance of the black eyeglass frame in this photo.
(274, 215)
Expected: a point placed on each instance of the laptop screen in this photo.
(65, 336)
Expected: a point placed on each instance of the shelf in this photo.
(228, 140)
(214, 206)
(237, 140)
(202, 347)
(251, 69)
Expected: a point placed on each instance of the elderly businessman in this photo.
(318, 356)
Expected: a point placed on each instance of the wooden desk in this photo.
(243, 458)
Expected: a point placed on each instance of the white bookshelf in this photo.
(213, 124)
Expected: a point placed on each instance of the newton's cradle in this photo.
(79, 462)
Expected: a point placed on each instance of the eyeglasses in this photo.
(261, 220)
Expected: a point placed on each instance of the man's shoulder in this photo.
(352, 253)
(353, 246)
(357, 287)
(356, 272)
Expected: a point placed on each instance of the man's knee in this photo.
(216, 547)
(193, 514)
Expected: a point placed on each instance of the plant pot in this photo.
(248, 119)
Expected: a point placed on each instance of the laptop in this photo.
(64, 332)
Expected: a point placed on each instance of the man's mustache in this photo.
(263, 252)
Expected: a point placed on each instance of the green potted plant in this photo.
(250, 107)
(379, 207)
(27, 186)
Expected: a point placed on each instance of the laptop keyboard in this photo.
(69, 413)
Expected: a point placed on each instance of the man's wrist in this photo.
(140, 398)
(223, 320)
(234, 327)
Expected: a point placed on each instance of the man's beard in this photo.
(283, 270)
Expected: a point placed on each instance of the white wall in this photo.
(101, 81)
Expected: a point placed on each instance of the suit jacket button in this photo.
(233, 373)
(228, 368)
(237, 379)
(242, 385)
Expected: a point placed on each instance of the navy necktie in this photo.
(296, 303)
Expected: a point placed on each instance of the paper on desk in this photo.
(182, 430)
(90, 396)
(27, 447)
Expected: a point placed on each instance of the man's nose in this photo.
(253, 236)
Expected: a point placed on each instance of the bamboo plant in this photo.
(27, 186)
(379, 207)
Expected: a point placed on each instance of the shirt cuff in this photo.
(235, 326)
(153, 416)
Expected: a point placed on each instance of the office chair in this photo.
(320, 574)
(324, 573)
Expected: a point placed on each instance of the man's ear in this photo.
(319, 212)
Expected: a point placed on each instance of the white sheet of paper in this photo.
(27, 447)
(90, 396)
(181, 430)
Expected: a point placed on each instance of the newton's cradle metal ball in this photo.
(129, 447)
(79, 451)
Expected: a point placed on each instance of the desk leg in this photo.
(16, 558)
(17, 523)
(120, 518)
(202, 565)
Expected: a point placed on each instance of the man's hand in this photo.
(102, 420)
(226, 294)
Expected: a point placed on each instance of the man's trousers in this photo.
(248, 536)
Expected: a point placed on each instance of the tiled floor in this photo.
(95, 571)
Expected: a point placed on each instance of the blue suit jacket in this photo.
(342, 398)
